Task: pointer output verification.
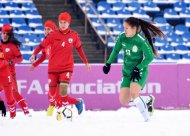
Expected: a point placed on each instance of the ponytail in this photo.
(13, 40)
(146, 28)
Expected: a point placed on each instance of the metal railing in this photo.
(108, 32)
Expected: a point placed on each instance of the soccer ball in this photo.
(64, 112)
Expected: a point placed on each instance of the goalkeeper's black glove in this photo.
(106, 68)
(135, 75)
(3, 108)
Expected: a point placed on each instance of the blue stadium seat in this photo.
(28, 6)
(118, 6)
(39, 30)
(120, 58)
(133, 6)
(151, 7)
(167, 49)
(24, 30)
(35, 22)
(113, 22)
(167, 29)
(179, 6)
(176, 41)
(181, 49)
(108, 13)
(184, 13)
(32, 14)
(186, 36)
(95, 22)
(128, 1)
(170, 13)
(118, 29)
(103, 5)
(4, 21)
(17, 22)
(26, 57)
(16, 14)
(160, 21)
(160, 42)
(11, 6)
(171, 35)
(4, 14)
(124, 13)
(173, 56)
(187, 22)
(161, 58)
(101, 30)
(25, 48)
(113, 1)
(140, 14)
(186, 56)
(181, 29)
(91, 14)
(111, 43)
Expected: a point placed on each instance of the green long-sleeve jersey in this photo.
(137, 51)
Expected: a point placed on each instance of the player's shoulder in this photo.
(73, 32)
(141, 37)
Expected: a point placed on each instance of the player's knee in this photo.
(63, 89)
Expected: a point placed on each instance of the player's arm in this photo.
(46, 41)
(17, 55)
(148, 55)
(113, 55)
(39, 60)
(80, 52)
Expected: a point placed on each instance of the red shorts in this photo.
(56, 78)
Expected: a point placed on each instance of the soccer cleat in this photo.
(150, 105)
(79, 106)
(50, 110)
(12, 110)
(59, 115)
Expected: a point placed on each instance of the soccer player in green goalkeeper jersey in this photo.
(136, 43)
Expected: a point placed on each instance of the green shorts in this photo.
(126, 79)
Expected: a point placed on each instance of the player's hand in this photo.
(31, 68)
(3, 108)
(88, 67)
(135, 75)
(106, 68)
(32, 58)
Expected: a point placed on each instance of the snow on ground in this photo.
(123, 122)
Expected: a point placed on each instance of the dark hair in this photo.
(146, 28)
(13, 40)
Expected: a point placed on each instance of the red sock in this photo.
(52, 96)
(21, 102)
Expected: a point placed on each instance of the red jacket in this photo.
(61, 53)
(4, 69)
(11, 52)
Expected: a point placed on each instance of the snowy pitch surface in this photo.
(124, 122)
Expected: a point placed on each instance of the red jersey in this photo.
(61, 55)
(4, 69)
(11, 52)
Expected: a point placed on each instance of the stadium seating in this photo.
(26, 21)
(171, 16)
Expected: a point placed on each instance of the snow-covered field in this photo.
(123, 122)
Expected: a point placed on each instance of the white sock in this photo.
(141, 105)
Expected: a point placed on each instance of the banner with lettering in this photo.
(169, 83)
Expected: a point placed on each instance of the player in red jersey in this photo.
(6, 85)
(10, 46)
(61, 61)
(49, 27)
